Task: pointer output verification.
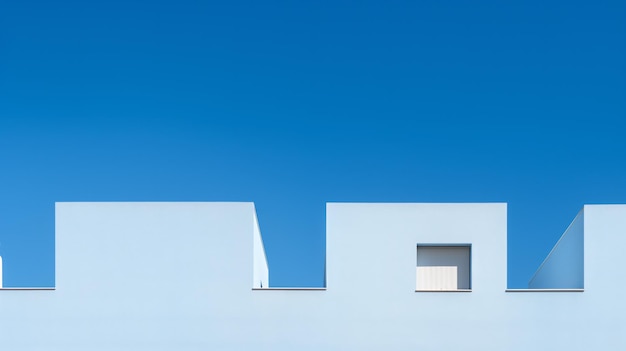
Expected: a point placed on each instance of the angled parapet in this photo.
(563, 268)
(260, 273)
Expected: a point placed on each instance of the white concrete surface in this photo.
(164, 276)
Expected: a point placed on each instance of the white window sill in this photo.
(454, 290)
(291, 289)
(28, 289)
(544, 290)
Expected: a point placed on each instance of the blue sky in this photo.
(292, 105)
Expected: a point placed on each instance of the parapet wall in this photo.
(164, 276)
(564, 266)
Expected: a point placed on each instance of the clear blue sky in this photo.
(295, 104)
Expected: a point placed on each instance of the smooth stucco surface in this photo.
(163, 276)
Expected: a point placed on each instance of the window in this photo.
(443, 267)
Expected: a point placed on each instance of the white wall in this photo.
(437, 278)
(163, 276)
(260, 276)
(373, 246)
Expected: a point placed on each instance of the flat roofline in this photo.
(294, 289)
(27, 288)
(414, 203)
(444, 244)
(544, 290)
(154, 202)
(449, 290)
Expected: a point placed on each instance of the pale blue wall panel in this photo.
(164, 276)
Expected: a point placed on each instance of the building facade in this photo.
(411, 276)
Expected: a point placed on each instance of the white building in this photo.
(193, 276)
